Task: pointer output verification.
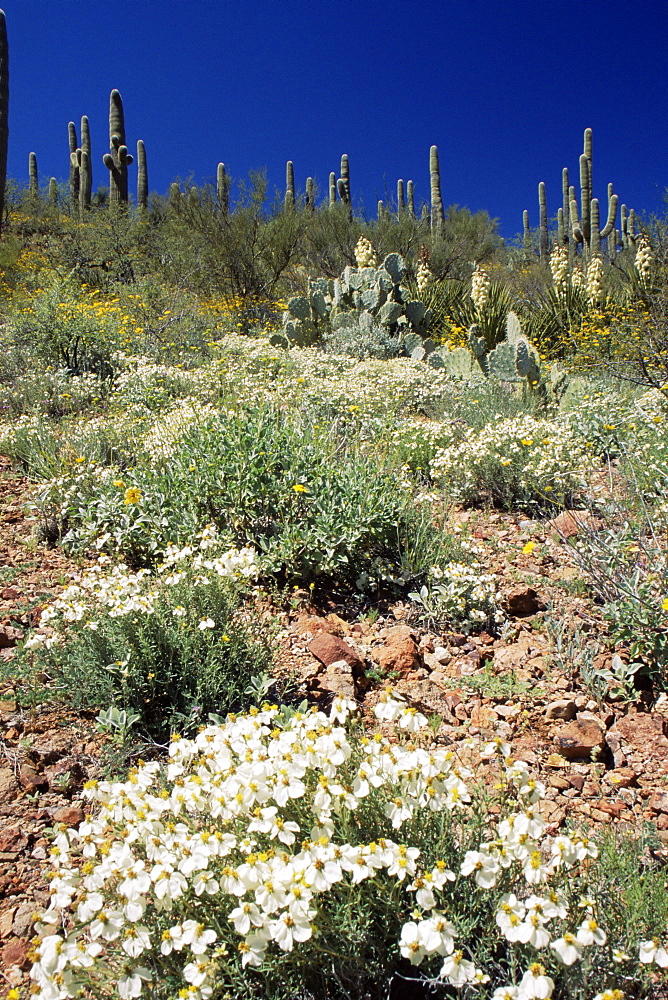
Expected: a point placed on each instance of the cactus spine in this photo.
(33, 185)
(142, 177)
(437, 214)
(289, 201)
(222, 190)
(4, 110)
(118, 160)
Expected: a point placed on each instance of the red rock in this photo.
(659, 801)
(9, 786)
(563, 709)
(65, 776)
(641, 739)
(12, 840)
(315, 625)
(338, 680)
(400, 654)
(483, 717)
(573, 522)
(6, 921)
(522, 602)
(15, 952)
(578, 739)
(330, 649)
(71, 816)
(9, 636)
(31, 780)
(621, 777)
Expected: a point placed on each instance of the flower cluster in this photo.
(163, 437)
(480, 286)
(644, 259)
(461, 595)
(559, 269)
(365, 255)
(118, 592)
(424, 276)
(595, 293)
(520, 458)
(230, 854)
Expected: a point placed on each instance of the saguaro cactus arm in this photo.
(613, 200)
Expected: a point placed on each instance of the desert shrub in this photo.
(294, 854)
(515, 462)
(70, 327)
(168, 647)
(70, 452)
(308, 496)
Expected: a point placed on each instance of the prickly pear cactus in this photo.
(366, 301)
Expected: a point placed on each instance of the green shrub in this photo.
(306, 495)
(169, 648)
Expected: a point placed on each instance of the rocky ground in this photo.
(603, 762)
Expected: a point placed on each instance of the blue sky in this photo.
(504, 88)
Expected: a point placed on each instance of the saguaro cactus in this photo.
(222, 190)
(343, 184)
(410, 198)
(527, 230)
(580, 225)
(33, 184)
(174, 197)
(401, 199)
(142, 176)
(565, 207)
(118, 160)
(310, 194)
(332, 189)
(74, 162)
(289, 186)
(4, 110)
(437, 214)
(85, 167)
(53, 192)
(544, 246)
